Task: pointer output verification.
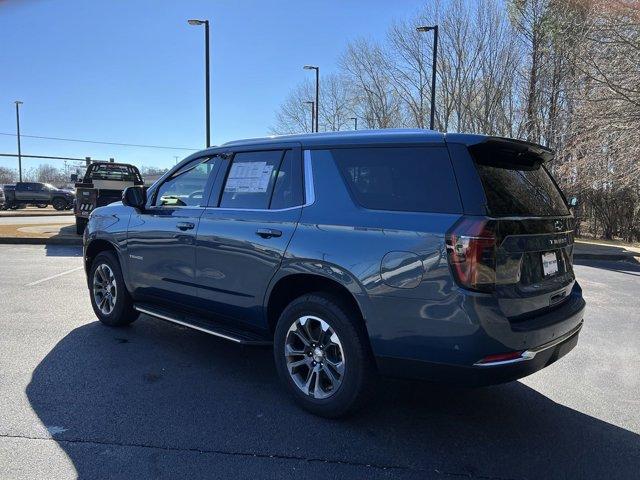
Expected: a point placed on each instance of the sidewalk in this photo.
(34, 212)
(40, 233)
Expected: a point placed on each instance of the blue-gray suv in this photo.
(408, 253)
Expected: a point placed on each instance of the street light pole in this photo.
(355, 122)
(433, 71)
(207, 81)
(313, 109)
(317, 69)
(18, 103)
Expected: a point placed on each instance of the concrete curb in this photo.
(35, 214)
(40, 241)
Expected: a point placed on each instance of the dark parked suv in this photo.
(401, 252)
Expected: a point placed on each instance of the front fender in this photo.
(107, 229)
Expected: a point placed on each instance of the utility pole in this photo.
(18, 103)
(207, 80)
(433, 72)
(355, 122)
(317, 69)
(313, 110)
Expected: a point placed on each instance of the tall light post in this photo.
(317, 69)
(313, 110)
(355, 122)
(206, 74)
(18, 103)
(433, 71)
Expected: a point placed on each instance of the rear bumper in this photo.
(478, 374)
(452, 348)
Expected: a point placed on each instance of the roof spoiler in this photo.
(508, 152)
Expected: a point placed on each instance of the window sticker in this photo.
(249, 177)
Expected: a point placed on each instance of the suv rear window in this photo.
(121, 173)
(408, 179)
(517, 184)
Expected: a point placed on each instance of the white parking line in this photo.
(53, 276)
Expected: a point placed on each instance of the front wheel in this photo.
(322, 355)
(110, 299)
(59, 203)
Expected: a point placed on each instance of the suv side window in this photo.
(251, 179)
(185, 188)
(288, 189)
(407, 179)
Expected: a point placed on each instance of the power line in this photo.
(49, 157)
(99, 142)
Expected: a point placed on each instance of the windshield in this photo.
(121, 173)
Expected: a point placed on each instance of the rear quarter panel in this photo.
(415, 309)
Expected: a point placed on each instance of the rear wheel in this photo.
(322, 356)
(59, 203)
(81, 224)
(110, 299)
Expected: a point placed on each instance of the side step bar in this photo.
(216, 329)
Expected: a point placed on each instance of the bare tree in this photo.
(336, 103)
(336, 107)
(603, 150)
(563, 73)
(365, 65)
(47, 174)
(7, 175)
(294, 115)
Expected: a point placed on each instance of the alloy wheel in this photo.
(314, 356)
(104, 289)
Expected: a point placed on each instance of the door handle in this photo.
(185, 226)
(268, 232)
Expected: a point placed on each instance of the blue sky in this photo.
(131, 71)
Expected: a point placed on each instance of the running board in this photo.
(217, 329)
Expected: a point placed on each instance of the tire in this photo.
(356, 381)
(120, 312)
(59, 203)
(81, 224)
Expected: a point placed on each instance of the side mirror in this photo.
(135, 197)
(74, 177)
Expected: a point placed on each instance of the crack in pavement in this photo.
(257, 455)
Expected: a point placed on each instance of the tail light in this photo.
(471, 248)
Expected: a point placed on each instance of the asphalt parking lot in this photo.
(159, 401)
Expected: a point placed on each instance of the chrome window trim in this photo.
(172, 207)
(309, 190)
(230, 209)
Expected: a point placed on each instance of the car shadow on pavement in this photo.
(155, 400)
(63, 250)
(620, 266)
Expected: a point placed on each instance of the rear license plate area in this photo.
(549, 264)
